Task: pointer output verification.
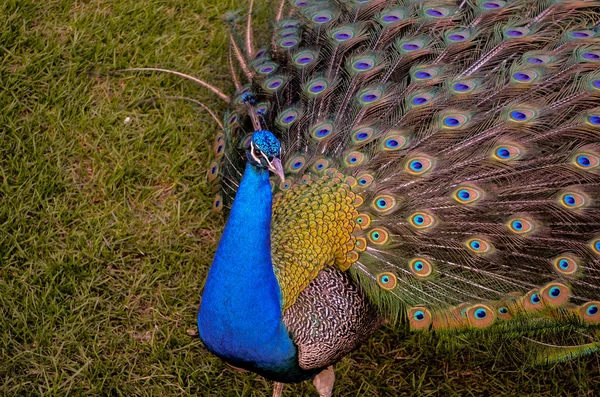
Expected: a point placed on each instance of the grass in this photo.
(105, 226)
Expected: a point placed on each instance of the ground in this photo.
(105, 225)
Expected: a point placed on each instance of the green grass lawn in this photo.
(105, 226)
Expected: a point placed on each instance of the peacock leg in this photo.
(278, 389)
(324, 382)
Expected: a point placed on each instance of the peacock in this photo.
(428, 164)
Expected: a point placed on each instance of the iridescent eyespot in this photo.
(322, 17)
(420, 267)
(285, 185)
(362, 135)
(363, 220)
(320, 165)
(287, 117)
(421, 98)
(364, 180)
(566, 264)
(437, 12)
(393, 142)
(595, 244)
(525, 76)
(217, 203)
(378, 236)
(219, 148)
(369, 96)
(521, 225)
(213, 171)
(384, 203)
(532, 301)
(425, 74)
(304, 58)
(321, 131)
(419, 318)
(387, 280)
(581, 34)
(590, 312)
(467, 194)
(511, 33)
(273, 84)
(573, 200)
(592, 56)
(504, 313)
(521, 115)
(478, 246)
(295, 164)
(456, 120)
(463, 87)
(555, 294)
(419, 165)
(288, 42)
(354, 159)
(267, 67)
(363, 64)
(493, 5)
(507, 152)
(421, 220)
(586, 161)
(361, 244)
(594, 119)
(391, 17)
(480, 316)
(457, 35)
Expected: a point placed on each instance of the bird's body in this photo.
(442, 169)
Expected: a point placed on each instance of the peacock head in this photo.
(264, 151)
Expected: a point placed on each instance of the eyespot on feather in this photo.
(455, 120)
(420, 267)
(383, 203)
(391, 17)
(363, 220)
(532, 301)
(590, 312)
(595, 245)
(213, 171)
(364, 180)
(567, 265)
(273, 84)
(421, 220)
(285, 185)
(521, 225)
(480, 316)
(361, 244)
(507, 152)
(521, 115)
(467, 194)
(378, 236)
(320, 165)
(555, 294)
(586, 160)
(425, 74)
(370, 96)
(387, 280)
(457, 36)
(354, 159)
(487, 5)
(511, 33)
(362, 135)
(322, 131)
(217, 203)
(393, 142)
(419, 318)
(573, 200)
(296, 164)
(304, 58)
(479, 246)
(419, 165)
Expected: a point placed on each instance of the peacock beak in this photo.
(276, 168)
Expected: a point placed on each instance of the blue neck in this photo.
(240, 318)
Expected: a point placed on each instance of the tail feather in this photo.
(467, 130)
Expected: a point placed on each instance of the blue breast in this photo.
(240, 317)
